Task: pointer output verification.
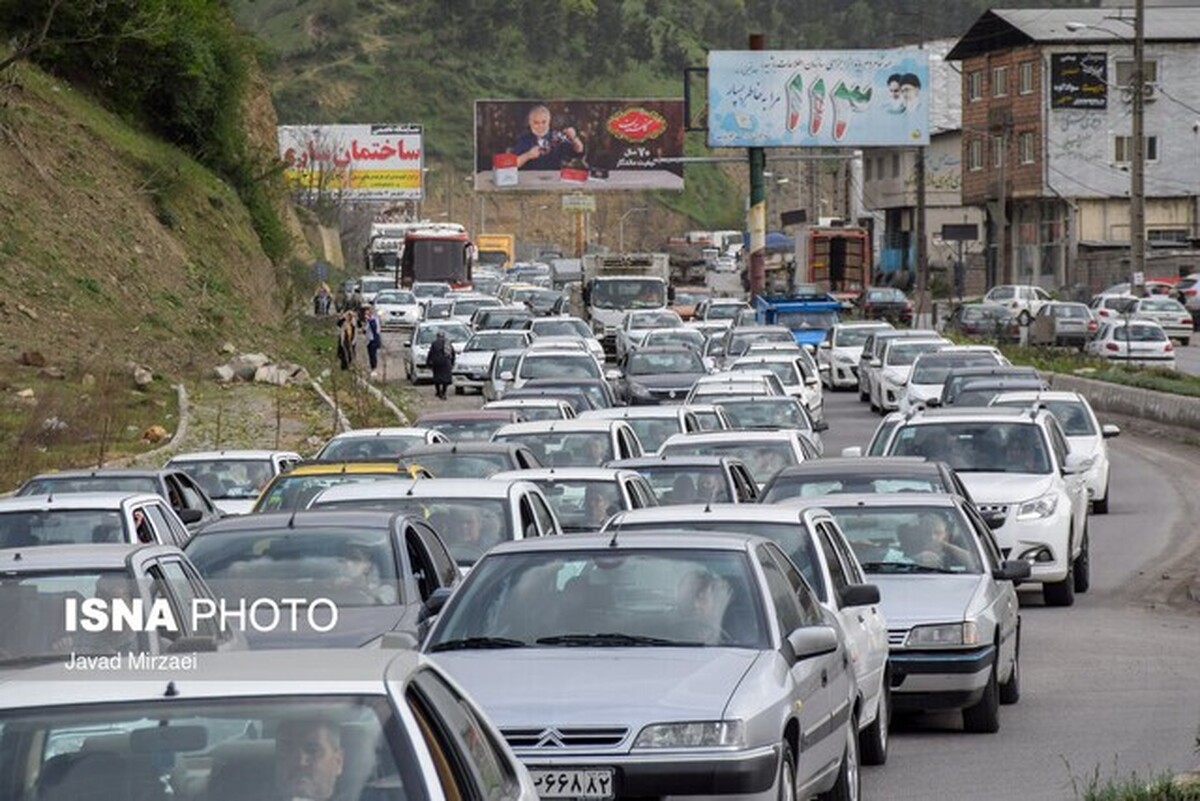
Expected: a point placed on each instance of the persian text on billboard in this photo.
(818, 98)
(359, 162)
(574, 145)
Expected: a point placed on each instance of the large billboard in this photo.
(818, 98)
(578, 145)
(356, 162)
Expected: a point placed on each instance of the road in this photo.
(1109, 685)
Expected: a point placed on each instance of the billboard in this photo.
(576, 145)
(1079, 80)
(356, 162)
(818, 98)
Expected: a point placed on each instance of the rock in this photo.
(53, 372)
(155, 434)
(280, 374)
(224, 373)
(32, 358)
(246, 365)
(54, 424)
(25, 394)
(28, 312)
(142, 377)
(88, 380)
(229, 348)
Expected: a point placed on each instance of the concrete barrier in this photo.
(1180, 411)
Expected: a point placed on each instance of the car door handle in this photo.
(824, 678)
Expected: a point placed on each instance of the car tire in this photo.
(1083, 564)
(787, 774)
(1010, 691)
(1061, 593)
(848, 786)
(873, 740)
(1100, 507)
(1184, 341)
(983, 717)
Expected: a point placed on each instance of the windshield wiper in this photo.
(612, 638)
(904, 567)
(469, 643)
(38, 659)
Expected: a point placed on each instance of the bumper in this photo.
(1049, 535)
(468, 382)
(843, 375)
(940, 679)
(738, 773)
(889, 396)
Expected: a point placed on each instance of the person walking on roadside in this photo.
(440, 361)
(346, 335)
(374, 338)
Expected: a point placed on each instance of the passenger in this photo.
(308, 760)
(701, 600)
(597, 507)
(710, 489)
(684, 491)
(360, 570)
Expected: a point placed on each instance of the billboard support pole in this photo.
(757, 222)
(579, 233)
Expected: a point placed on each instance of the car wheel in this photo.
(983, 717)
(787, 774)
(1010, 691)
(848, 784)
(1184, 341)
(1083, 564)
(1100, 506)
(873, 740)
(1061, 593)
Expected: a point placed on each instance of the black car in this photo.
(597, 390)
(378, 569)
(187, 498)
(859, 475)
(472, 459)
(986, 320)
(885, 303)
(659, 374)
(955, 379)
(572, 394)
(680, 479)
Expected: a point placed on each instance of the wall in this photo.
(1107, 219)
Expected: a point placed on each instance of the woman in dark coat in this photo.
(440, 360)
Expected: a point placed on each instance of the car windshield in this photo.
(1070, 311)
(288, 492)
(910, 539)
(234, 747)
(934, 369)
(454, 333)
(675, 485)
(814, 486)
(659, 319)
(467, 430)
(505, 362)
(556, 365)
(882, 434)
(724, 311)
(673, 362)
(431, 290)
(1071, 415)
(806, 319)
(684, 297)
(764, 458)
(1002, 293)
(739, 341)
(565, 448)
(653, 431)
(582, 505)
(351, 567)
(1162, 305)
(561, 328)
(884, 296)
(495, 340)
(902, 354)
(679, 336)
(623, 597)
(784, 371)
(464, 465)
(378, 448)
(709, 420)
(628, 293)
(398, 297)
(39, 630)
(465, 308)
(60, 527)
(372, 285)
(850, 337)
(57, 485)
(988, 447)
(971, 314)
(766, 413)
(1139, 333)
(534, 413)
(229, 479)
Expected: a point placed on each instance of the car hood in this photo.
(549, 686)
(897, 374)
(987, 488)
(242, 506)
(474, 358)
(1086, 447)
(397, 308)
(851, 352)
(682, 381)
(924, 392)
(912, 599)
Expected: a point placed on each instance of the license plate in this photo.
(592, 783)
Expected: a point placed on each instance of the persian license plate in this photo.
(588, 783)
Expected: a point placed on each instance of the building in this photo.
(1046, 146)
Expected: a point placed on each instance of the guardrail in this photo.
(1165, 408)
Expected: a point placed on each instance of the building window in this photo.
(975, 85)
(999, 81)
(866, 169)
(1026, 78)
(1178, 235)
(1125, 70)
(879, 168)
(1123, 149)
(895, 165)
(997, 151)
(975, 155)
(1025, 147)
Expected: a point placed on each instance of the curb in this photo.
(343, 422)
(384, 399)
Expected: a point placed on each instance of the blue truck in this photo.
(809, 315)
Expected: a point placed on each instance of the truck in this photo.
(810, 314)
(436, 252)
(496, 250)
(614, 283)
(835, 259)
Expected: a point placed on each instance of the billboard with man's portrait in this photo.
(574, 145)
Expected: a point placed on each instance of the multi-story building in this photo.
(1047, 145)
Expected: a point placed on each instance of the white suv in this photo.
(1023, 300)
(1018, 466)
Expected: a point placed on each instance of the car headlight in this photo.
(946, 635)
(842, 358)
(1039, 507)
(639, 389)
(699, 734)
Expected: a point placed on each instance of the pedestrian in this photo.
(374, 338)
(440, 361)
(322, 300)
(346, 337)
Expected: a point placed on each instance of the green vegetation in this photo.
(1074, 363)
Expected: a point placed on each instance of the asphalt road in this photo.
(1110, 686)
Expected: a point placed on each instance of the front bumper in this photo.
(674, 772)
(468, 382)
(940, 679)
(843, 375)
(1048, 535)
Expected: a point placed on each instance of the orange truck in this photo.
(495, 250)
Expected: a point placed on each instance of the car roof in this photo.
(1004, 414)
(91, 556)
(483, 488)
(839, 501)
(736, 435)
(467, 414)
(127, 472)
(564, 474)
(673, 459)
(647, 412)
(677, 517)
(301, 520)
(865, 324)
(990, 370)
(75, 500)
(466, 448)
(697, 540)
(516, 403)
(394, 431)
(864, 465)
(1033, 396)
(666, 348)
(350, 466)
(230, 455)
(583, 424)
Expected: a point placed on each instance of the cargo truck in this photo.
(614, 283)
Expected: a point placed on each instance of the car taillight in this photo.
(1168, 348)
(1185, 321)
(1190, 291)
(1113, 346)
(1092, 325)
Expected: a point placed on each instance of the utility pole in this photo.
(757, 223)
(1137, 188)
(923, 304)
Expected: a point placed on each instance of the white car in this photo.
(764, 452)
(416, 351)
(687, 336)
(634, 323)
(1025, 481)
(536, 363)
(465, 306)
(397, 309)
(234, 478)
(741, 382)
(840, 352)
(1175, 319)
(584, 498)
(652, 423)
(533, 409)
(566, 326)
(574, 443)
(895, 366)
(1133, 341)
(872, 350)
(794, 372)
(1085, 434)
(371, 285)
(723, 309)
(377, 444)
(1022, 300)
(472, 366)
(929, 371)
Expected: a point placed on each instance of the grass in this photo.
(1132, 788)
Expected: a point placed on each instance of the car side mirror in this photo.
(812, 381)
(809, 641)
(434, 603)
(406, 343)
(189, 516)
(824, 345)
(1076, 464)
(875, 363)
(612, 375)
(506, 375)
(1012, 570)
(860, 594)
(853, 451)
(670, 293)
(1108, 431)
(820, 425)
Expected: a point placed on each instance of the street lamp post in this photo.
(621, 227)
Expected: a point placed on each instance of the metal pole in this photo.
(757, 222)
(1137, 189)
(923, 303)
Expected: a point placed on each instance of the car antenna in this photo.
(613, 542)
(171, 690)
(291, 523)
